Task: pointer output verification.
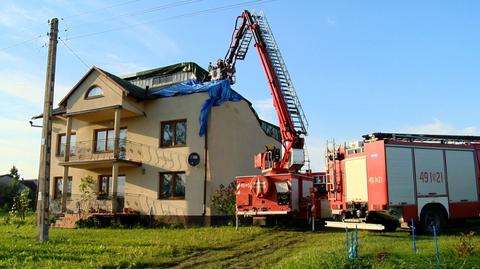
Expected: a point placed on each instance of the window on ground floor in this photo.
(172, 185)
(105, 186)
(173, 133)
(58, 187)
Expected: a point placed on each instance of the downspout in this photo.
(205, 158)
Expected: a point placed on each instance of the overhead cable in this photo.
(191, 14)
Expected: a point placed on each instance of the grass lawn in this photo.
(221, 247)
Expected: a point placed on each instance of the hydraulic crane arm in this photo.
(290, 114)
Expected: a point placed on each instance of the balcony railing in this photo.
(94, 150)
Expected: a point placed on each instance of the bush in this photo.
(21, 204)
(223, 199)
(464, 247)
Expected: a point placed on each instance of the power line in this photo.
(82, 14)
(144, 11)
(21, 43)
(100, 77)
(102, 8)
(74, 53)
(191, 14)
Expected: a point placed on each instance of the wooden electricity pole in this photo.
(46, 144)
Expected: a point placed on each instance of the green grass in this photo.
(221, 247)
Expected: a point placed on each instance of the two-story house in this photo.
(158, 142)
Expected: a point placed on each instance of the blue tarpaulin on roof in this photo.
(219, 92)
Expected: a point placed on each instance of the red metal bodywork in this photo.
(377, 180)
(251, 202)
(376, 176)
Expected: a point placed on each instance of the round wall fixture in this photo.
(193, 159)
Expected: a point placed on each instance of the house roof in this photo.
(131, 89)
(56, 111)
(30, 183)
(126, 86)
(200, 73)
(153, 93)
(5, 179)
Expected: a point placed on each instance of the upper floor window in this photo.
(104, 139)
(94, 92)
(173, 133)
(62, 140)
(57, 194)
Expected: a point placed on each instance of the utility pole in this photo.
(46, 144)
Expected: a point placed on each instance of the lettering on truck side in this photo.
(373, 180)
(431, 177)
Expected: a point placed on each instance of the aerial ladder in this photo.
(292, 121)
(281, 190)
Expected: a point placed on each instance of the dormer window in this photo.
(94, 92)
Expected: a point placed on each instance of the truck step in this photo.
(352, 225)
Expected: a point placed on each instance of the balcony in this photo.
(99, 154)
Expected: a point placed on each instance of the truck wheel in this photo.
(338, 217)
(433, 215)
(390, 226)
(270, 222)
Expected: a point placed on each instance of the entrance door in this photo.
(106, 188)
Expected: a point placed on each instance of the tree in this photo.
(20, 204)
(10, 191)
(14, 173)
(87, 192)
(223, 199)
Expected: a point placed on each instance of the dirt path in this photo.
(247, 253)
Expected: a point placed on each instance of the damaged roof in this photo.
(142, 94)
(200, 73)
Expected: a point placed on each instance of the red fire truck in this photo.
(428, 179)
(281, 190)
(383, 180)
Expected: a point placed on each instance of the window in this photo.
(104, 139)
(58, 188)
(94, 92)
(105, 187)
(62, 140)
(172, 185)
(173, 133)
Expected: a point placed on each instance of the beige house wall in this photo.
(234, 137)
(112, 94)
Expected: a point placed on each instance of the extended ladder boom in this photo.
(291, 117)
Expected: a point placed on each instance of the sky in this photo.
(358, 66)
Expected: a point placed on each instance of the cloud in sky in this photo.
(157, 42)
(20, 146)
(316, 145)
(21, 18)
(265, 110)
(118, 65)
(28, 86)
(330, 21)
(9, 58)
(440, 127)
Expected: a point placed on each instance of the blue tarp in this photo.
(219, 92)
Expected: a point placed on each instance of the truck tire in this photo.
(433, 215)
(390, 226)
